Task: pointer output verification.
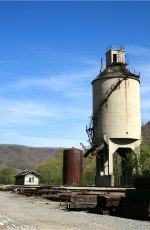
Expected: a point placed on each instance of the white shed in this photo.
(27, 177)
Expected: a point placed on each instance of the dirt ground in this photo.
(19, 212)
(2, 227)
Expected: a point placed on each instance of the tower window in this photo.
(114, 57)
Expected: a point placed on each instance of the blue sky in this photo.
(49, 54)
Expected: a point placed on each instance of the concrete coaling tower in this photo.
(116, 122)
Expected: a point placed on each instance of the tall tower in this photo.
(116, 121)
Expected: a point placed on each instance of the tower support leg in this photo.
(104, 169)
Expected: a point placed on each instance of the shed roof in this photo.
(26, 172)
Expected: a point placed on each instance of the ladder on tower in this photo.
(93, 119)
(111, 90)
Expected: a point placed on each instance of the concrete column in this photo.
(110, 162)
(106, 159)
(102, 171)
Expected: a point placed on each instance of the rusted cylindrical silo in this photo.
(72, 166)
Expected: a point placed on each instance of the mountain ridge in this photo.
(22, 157)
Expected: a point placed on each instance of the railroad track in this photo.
(130, 203)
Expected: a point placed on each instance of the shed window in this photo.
(31, 179)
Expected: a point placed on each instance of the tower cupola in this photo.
(115, 56)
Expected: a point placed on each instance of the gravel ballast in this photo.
(19, 212)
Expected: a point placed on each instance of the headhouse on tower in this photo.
(115, 56)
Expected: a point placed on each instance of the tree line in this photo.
(52, 170)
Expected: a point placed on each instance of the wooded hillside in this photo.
(146, 133)
(24, 157)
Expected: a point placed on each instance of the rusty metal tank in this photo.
(72, 166)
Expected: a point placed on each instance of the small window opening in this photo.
(31, 179)
(114, 57)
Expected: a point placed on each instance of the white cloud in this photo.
(145, 90)
(51, 142)
(39, 113)
(10, 137)
(140, 56)
(138, 50)
(88, 61)
(25, 112)
(72, 85)
(8, 132)
(26, 108)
